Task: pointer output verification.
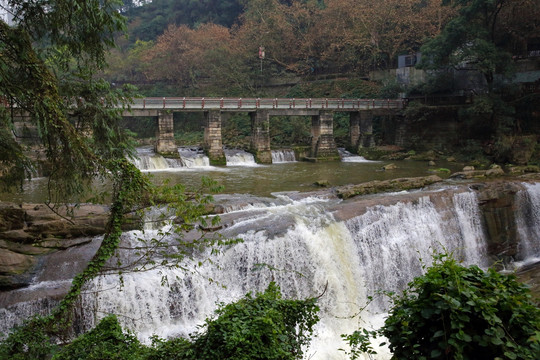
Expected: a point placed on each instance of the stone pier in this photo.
(323, 146)
(354, 131)
(366, 130)
(213, 145)
(260, 136)
(361, 130)
(165, 144)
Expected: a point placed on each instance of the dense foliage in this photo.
(484, 34)
(460, 313)
(151, 20)
(46, 67)
(299, 37)
(48, 61)
(263, 326)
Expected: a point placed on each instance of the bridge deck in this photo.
(251, 104)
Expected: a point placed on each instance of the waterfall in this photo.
(528, 223)
(239, 158)
(193, 158)
(148, 160)
(303, 248)
(352, 248)
(391, 240)
(347, 156)
(283, 156)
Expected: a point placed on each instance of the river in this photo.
(306, 241)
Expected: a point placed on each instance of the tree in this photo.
(46, 67)
(48, 62)
(188, 56)
(460, 313)
(472, 37)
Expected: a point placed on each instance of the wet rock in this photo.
(30, 230)
(11, 217)
(523, 169)
(389, 167)
(497, 203)
(377, 186)
(322, 183)
(470, 174)
(468, 168)
(15, 269)
(494, 172)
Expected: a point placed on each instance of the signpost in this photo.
(261, 56)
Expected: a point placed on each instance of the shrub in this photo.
(106, 341)
(261, 327)
(463, 313)
(454, 312)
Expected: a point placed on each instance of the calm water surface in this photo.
(263, 180)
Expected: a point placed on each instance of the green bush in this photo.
(454, 312)
(261, 327)
(107, 341)
(28, 342)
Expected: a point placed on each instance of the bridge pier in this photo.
(323, 146)
(354, 130)
(260, 136)
(165, 144)
(366, 130)
(213, 144)
(361, 130)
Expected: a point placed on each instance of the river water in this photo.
(243, 176)
(306, 242)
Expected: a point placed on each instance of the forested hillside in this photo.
(185, 44)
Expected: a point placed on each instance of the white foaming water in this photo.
(148, 160)
(193, 158)
(347, 156)
(283, 156)
(392, 239)
(302, 248)
(528, 224)
(239, 158)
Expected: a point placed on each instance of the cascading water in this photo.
(304, 249)
(148, 160)
(528, 223)
(190, 158)
(347, 156)
(193, 158)
(283, 156)
(352, 248)
(239, 158)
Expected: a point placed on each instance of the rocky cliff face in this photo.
(30, 231)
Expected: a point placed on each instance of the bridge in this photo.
(321, 110)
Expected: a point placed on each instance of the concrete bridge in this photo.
(261, 109)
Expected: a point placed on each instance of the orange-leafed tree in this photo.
(187, 57)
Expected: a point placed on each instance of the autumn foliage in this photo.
(300, 37)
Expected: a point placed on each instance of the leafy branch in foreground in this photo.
(460, 313)
(259, 327)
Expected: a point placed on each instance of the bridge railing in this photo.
(192, 103)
